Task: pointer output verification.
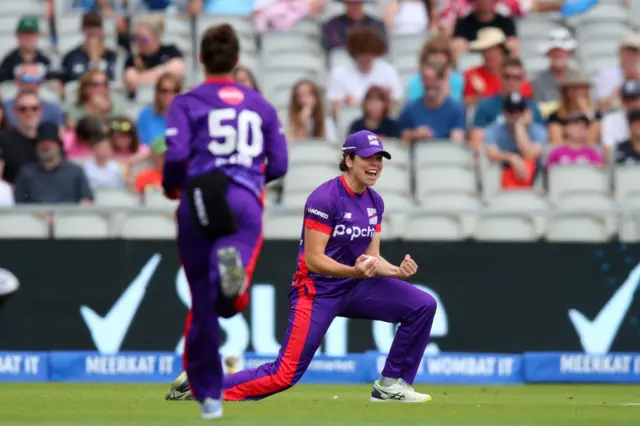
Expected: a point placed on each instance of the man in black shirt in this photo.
(27, 33)
(18, 144)
(92, 54)
(466, 29)
(152, 58)
(628, 152)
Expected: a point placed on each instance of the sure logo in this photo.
(354, 232)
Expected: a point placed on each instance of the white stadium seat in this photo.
(442, 153)
(116, 198)
(602, 207)
(23, 225)
(578, 228)
(314, 151)
(80, 226)
(159, 200)
(283, 224)
(423, 225)
(578, 179)
(148, 227)
(464, 206)
(445, 179)
(508, 227)
(307, 178)
(524, 202)
(626, 179)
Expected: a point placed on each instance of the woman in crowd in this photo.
(244, 76)
(575, 98)
(375, 108)
(437, 50)
(93, 98)
(152, 120)
(576, 148)
(403, 17)
(307, 117)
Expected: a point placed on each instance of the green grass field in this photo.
(128, 405)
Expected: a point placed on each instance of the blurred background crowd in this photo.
(521, 86)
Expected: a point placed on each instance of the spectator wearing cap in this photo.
(436, 115)
(335, 31)
(402, 17)
(101, 170)
(468, 28)
(27, 52)
(91, 54)
(18, 143)
(29, 78)
(575, 100)
(487, 79)
(52, 179)
(6, 190)
(559, 48)
(576, 147)
(516, 142)
(151, 178)
(152, 119)
(615, 126)
(490, 110)
(437, 49)
(348, 83)
(609, 80)
(628, 152)
(152, 58)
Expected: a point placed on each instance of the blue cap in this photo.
(365, 144)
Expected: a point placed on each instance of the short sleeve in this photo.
(172, 51)
(538, 134)
(460, 30)
(482, 118)
(491, 135)
(320, 212)
(509, 27)
(380, 209)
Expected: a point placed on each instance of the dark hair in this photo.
(91, 20)
(318, 115)
(4, 122)
(219, 49)
(252, 77)
(512, 62)
(365, 41)
(125, 125)
(91, 129)
(377, 92)
(343, 162)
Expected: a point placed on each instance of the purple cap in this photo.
(365, 144)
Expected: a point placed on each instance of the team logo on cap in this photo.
(373, 140)
(231, 95)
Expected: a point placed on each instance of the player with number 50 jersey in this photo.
(224, 143)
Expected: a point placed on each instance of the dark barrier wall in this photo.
(125, 295)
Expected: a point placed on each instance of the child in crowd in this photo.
(576, 149)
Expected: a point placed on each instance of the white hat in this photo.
(488, 37)
(631, 40)
(560, 38)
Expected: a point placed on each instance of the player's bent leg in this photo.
(309, 319)
(395, 301)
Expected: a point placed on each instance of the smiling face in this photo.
(365, 170)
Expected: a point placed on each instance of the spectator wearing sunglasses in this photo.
(27, 52)
(30, 78)
(152, 120)
(91, 54)
(150, 58)
(18, 143)
(93, 98)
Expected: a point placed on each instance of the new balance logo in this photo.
(347, 215)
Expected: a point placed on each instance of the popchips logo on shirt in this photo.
(318, 213)
(354, 231)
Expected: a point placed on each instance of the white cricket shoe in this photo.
(397, 392)
(211, 409)
(232, 273)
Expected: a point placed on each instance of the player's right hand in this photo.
(365, 267)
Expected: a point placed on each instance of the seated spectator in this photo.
(127, 148)
(27, 52)
(29, 79)
(91, 54)
(283, 15)
(110, 9)
(576, 148)
(490, 110)
(375, 108)
(546, 85)
(615, 126)
(335, 31)
(437, 50)
(628, 152)
(468, 28)
(17, 142)
(609, 80)
(151, 178)
(102, 171)
(152, 58)
(4, 120)
(516, 143)
(349, 83)
(220, 7)
(485, 80)
(6, 190)
(410, 17)
(169, 6)
(575, 99)
(78, 144)
(93, 98)
(52, 179)
(243, 75)
(152, 120)
(436, 115)
(307, 116)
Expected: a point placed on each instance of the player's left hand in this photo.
(407, 268)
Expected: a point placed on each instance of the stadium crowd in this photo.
(94, 116)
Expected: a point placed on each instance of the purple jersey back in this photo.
(350, 220)
(221, 125)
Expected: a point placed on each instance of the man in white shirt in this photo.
(609, 80)
(349, 83)
(615, 125)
